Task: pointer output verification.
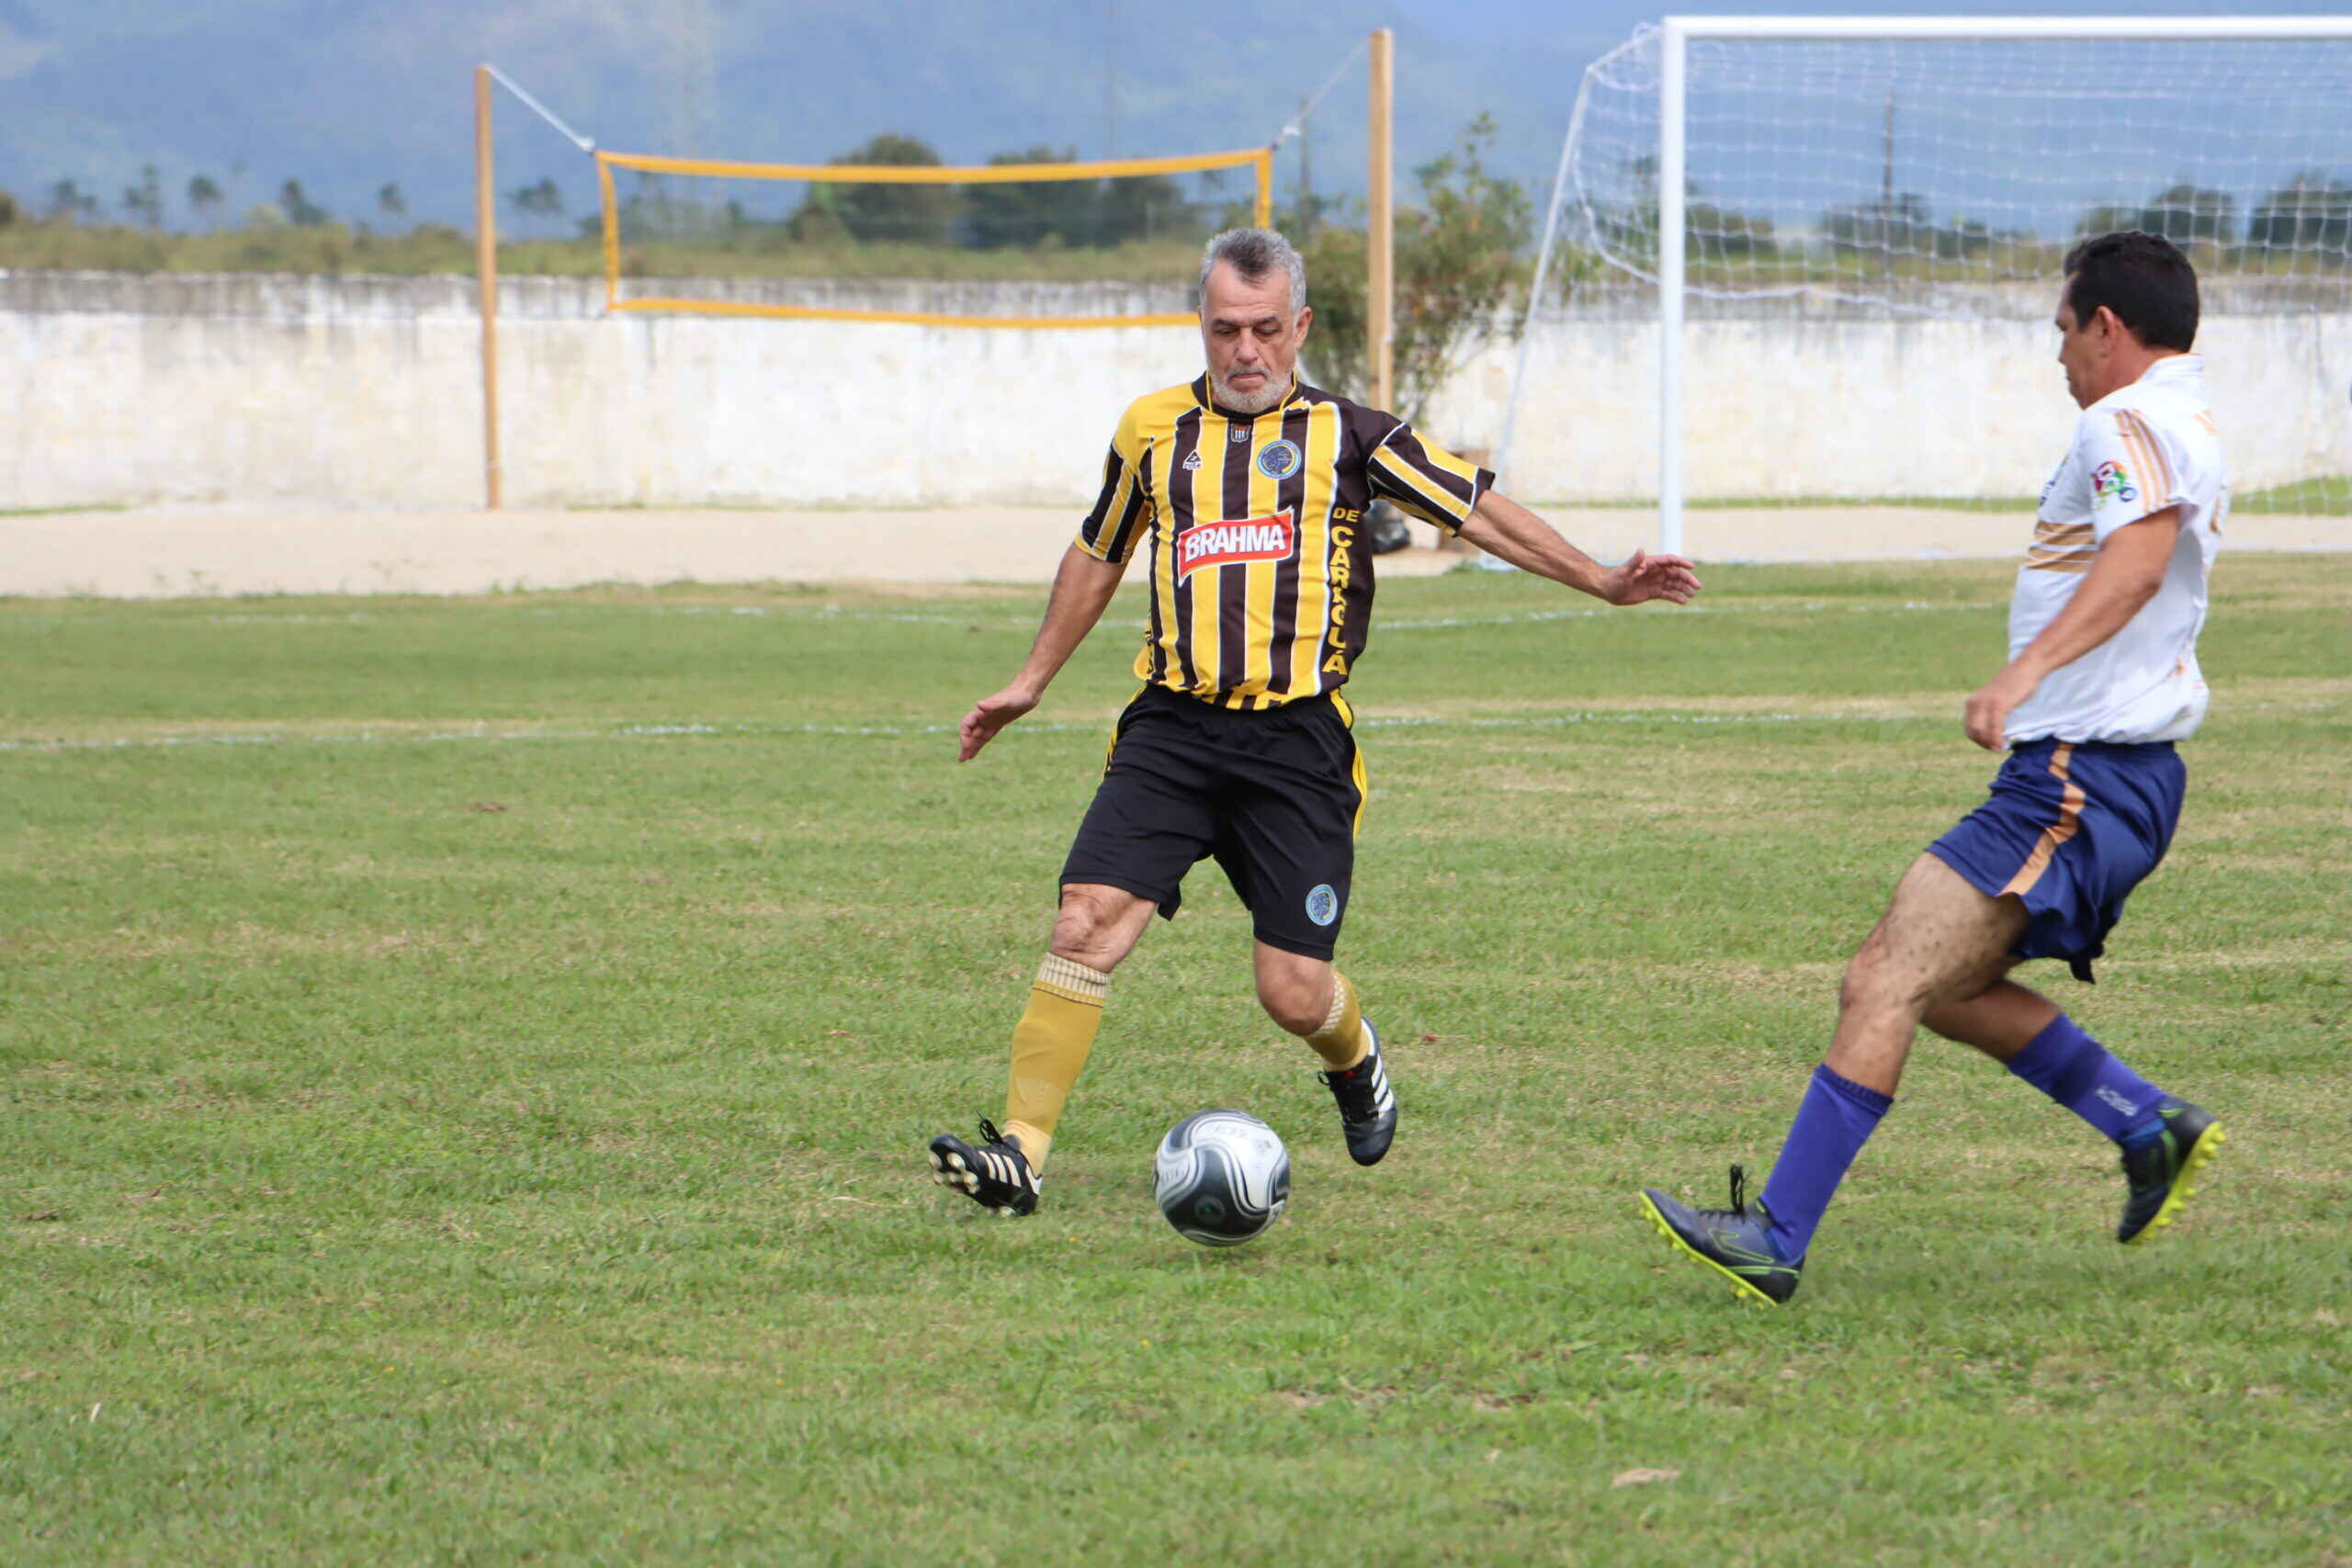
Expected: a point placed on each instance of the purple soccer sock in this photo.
(2085, 1076)
(1836, 1117)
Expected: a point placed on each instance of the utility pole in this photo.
(1112, 41)
(1380, 231)
(1886, 191)
(1306, 177)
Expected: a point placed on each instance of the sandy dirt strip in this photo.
(172, 551)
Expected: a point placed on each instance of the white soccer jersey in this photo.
(2136, 451)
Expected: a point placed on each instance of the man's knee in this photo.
(1296, 995)
(1876, 980)
(1097, 926)
(1294, 1007)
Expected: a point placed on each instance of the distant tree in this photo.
(69, 203)
(1141, 206)
(203, 198)
(1902, 223)
(300, 210)
(144, 201)
(8, 211)
(2107, 219)
(1712, 233)
(1072, 212)
(1460, 263)
(1027, 213)
(908, 214)
(390, 202)
(2183, 211)
(542, 198)
(2311, 212)
(1720, 233)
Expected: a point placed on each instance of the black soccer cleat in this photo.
(996, 1175)
(2159, 1169)
(1733, 1242)
(1367, 1105)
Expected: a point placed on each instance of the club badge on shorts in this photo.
(1323, 905)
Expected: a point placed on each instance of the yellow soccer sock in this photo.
(1049, 1049)
(1341, 1041)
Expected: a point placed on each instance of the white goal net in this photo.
(1852, 338)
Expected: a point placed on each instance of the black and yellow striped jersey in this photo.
(1261, 563)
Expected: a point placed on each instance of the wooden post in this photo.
(1381, 236)
(486, 271)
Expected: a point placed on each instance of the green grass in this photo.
(466, 1065)
(2329, 496)
(2326, 497)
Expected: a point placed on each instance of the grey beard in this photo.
(1258, 401)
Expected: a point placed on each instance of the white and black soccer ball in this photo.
(1222, 1176)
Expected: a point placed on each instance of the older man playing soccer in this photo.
(2101, 680)
(1250, 489)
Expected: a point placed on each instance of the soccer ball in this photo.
(1222, 1176)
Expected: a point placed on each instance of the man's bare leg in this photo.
(1094, 931)
(1940, 939)
(2031, 1035)
(1095, 928)
(2000, 1021)
(1310, 998)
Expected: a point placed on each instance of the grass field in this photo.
(467, 1063)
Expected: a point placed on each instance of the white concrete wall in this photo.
(116, 388)
(359, 392)
(1785, 399)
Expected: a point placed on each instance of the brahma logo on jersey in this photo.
(2109, 481)
(1239, 539)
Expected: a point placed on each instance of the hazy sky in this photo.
(349, 95)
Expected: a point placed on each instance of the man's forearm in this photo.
(1082, 590)
(1502, 527)
(2126, 575)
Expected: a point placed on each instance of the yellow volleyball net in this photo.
(1020, 216)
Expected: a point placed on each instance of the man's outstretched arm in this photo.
(1501, 526)
(1083, 590)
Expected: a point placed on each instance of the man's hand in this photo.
(988, 716)
(1647, 577)
(1987, 714)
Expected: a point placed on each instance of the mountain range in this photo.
(350, 96)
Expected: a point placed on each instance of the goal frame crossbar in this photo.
(1259, 158)
(1675, 33)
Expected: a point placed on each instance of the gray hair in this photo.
(1255, 252)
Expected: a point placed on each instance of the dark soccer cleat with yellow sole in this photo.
(993, 1173)
(1733, 1242)
(2160, 1169)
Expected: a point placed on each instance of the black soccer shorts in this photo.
(1274, 795)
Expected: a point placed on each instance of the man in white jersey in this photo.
(2101, 680)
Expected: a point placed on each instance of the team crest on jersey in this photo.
(2111, 481)
(1279, 459)
(1323, 905)
(1239, 539)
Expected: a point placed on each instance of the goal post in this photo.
(1934, 170)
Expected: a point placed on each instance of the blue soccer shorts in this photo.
(2072, 828)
